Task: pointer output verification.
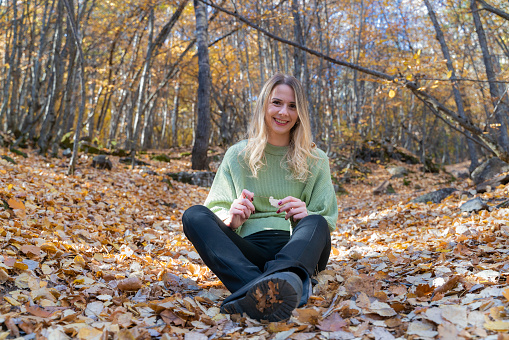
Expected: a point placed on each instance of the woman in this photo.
(265, 254)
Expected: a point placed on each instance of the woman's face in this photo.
(281, 115)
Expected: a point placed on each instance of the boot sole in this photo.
(273, 298)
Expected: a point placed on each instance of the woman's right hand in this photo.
(240, 210)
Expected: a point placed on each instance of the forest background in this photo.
(430, 76)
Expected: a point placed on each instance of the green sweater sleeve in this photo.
(223, 192)
(319, 192)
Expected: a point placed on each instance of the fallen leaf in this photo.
(89, 333)
(130, 284)
(381, 308)
(421, 328)
(447, 331)
(15, 204)
(38, 311)
(499, 326)
(455, 314)
(29, 248)
(306, 315)
(3, 276)
(505, 293)
(382, 334)
(11, 326)
(332, 323)
(450, 284)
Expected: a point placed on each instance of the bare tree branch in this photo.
(493, 10)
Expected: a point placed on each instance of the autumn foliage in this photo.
(101, 255)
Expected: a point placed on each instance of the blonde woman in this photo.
(264, 229)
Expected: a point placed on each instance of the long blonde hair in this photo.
(301, 140)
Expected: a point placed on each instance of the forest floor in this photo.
(101, 255)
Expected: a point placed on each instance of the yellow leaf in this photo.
(79, 261)
(409, 77)
(392, 93)
(500, 326)
(20, 265)
(417, 55)
(12, 301)
(449, 74)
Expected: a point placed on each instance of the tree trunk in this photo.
(4, 109)
(299, 38)
(141, 89)
(174, 116)
(474, 162)
(501, 109)
(202, 131)
(77, 41)
(34, 106)
(55, 84)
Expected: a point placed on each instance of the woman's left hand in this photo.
(293, 207)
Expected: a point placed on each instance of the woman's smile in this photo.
(281, 115)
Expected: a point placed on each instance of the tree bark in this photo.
(77, 41)
(174, 116)
(153, 46)
(474, 162)
(55, 83)
(202, 131)
(501, 109)
(493, 10)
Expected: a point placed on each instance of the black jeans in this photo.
(237, 261)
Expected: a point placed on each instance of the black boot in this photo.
(271, 298)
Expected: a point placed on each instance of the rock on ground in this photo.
(435, 196)
(489, 169)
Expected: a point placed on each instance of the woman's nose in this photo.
(283, 110)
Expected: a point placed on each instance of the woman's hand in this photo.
(240, 210)
(293, 207)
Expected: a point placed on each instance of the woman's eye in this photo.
(293, 106)
(276, 102)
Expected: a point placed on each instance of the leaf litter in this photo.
(101, 255)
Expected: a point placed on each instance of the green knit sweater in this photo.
(273, 180)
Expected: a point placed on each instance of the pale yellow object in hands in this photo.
(274, 202)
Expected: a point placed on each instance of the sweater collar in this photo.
(276, 150)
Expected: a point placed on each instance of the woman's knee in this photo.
(193, 215)
(318, 221)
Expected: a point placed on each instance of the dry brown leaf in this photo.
(15, 204)
(38, 311)
(307, 315)
(276, 327)
(3, 276)
(28, 248)
(450, 284)
(130, 284)
(423, 290)
(332, 323)
(169, 318)
(11, 326)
